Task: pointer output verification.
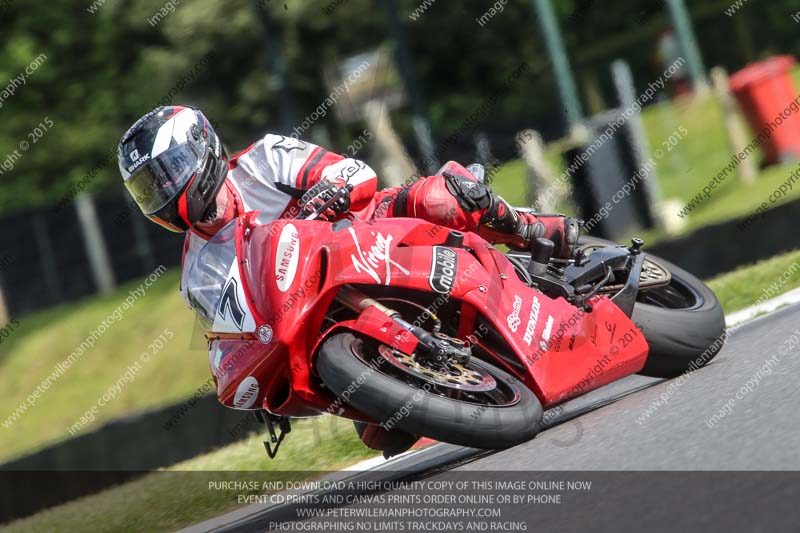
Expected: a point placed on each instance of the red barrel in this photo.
(766, 94)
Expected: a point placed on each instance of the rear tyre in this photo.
(350, 368)
(684, 323)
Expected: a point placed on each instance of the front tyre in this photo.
(354, 370)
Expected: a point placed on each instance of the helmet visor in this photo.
(161, 179)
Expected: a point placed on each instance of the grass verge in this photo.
(43, 340)
(180, 495)
(758, 282)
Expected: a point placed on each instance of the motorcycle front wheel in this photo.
(478, 405)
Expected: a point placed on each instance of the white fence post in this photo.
(95, 244)
(737, 135)
(396, 166)
(542, 189)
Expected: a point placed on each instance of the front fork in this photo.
(434, 347)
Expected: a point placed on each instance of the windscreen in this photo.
(210, 272)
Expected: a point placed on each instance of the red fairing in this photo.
(291, 271)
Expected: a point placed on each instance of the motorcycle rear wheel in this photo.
(683, 322)
(351, 368)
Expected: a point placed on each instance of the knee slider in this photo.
(471, 195)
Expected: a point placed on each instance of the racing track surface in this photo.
(761, 434)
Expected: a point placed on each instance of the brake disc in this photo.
(653, 275)
(451, 375)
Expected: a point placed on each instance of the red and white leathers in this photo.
(272, 175)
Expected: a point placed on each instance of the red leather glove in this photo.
(322, 193)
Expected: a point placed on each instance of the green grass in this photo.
(43, 340)
(747, 285)
(180, 496)
(700, 156)
(697, 157)
(734, 200)
(682, 171)
(510, 182)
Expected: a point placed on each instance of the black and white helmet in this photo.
(173, 165)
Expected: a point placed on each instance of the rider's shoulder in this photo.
(290, 145)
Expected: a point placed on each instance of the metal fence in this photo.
(59, 254)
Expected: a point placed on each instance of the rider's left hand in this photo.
(322, 192)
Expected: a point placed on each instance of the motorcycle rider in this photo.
(176, 169)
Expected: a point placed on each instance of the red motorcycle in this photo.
(432, 332)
